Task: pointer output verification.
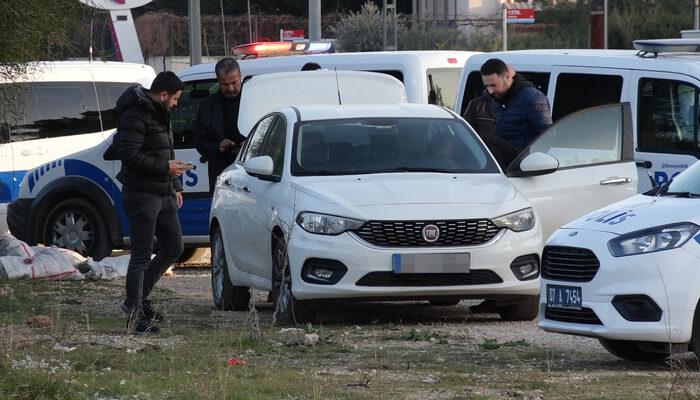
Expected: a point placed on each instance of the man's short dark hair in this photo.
(226, 65)
(166, 81)
(310, 66)
(494, 66)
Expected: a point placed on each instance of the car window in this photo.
(55, 109)
(688, 181)
(184, 115)
(475, 85)
(274, 145)
(256, 139)
(108, 93)
(442, 86)
(667, 116)
(387, 145)
(576, 92)
(585, 138)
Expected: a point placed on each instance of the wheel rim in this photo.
(73, 230)
(282, 288)
(218, 263)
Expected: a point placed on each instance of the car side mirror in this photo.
(538, 164)
(261, 167)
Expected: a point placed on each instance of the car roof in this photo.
(688, 63)
(405, 110)
(429, 58)
(102, 70)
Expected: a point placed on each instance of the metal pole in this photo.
(250, 26)
(696, 14)
(223, 28)
(605, 24)
(384, 25)
(505, 28)
(195, 33)
(315, 19)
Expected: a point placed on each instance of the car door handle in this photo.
(615, 181)
(227, 182)
(246, 189)
(33, 152)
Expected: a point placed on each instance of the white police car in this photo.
(628, 274)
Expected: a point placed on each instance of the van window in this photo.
(667, 116)
(56, 109)
(475, 86)
(183, 116)
(396, 74)
(442, 86)
(108, 93)
(578, 91)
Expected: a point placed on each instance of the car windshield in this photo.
(366, 146)
(687, 184)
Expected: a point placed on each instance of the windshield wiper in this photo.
(687, 195)
(664, 188)
(417, 169)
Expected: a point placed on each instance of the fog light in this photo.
(526, 267)
(323, 271)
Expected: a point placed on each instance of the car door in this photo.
(267, 194)
(596, 165)
(667, 120)
(240, 215)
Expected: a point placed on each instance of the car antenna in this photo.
(337, 85)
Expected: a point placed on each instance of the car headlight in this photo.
(518, 221)
(655, 239)
(323, 224)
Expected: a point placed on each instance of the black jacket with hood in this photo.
(144, 144)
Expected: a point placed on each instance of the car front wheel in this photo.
(226, 296)
(288, 310)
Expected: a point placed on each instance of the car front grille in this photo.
(390, 279)
(410, 233)
(570, 264)
(582, 316)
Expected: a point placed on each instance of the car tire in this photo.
(444, 302)
(288, 310)
(525, 310)
(695, 336)
(75, 224)
(632, 351)
(226, 296)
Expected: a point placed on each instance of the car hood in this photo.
(408, 188)
(639, 212)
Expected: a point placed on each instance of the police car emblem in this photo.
(431, 233)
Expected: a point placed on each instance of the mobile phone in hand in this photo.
(189, 166)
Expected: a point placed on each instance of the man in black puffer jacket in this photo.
(151, 193)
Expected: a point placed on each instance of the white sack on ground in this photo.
(107, 268)
(11, 246)
(48, 263)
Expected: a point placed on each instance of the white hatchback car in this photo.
(399, 201)
(628, 274)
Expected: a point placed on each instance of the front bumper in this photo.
(364, 260)
(18, 218)
(662, 276)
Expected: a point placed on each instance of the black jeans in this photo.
(150, 215)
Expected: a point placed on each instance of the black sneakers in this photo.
(149, 312)
(141, 326)
(139, 323)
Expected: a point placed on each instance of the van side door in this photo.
(577, 88)
(596, 165)
(666, 121)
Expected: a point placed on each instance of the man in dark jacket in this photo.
(216, 127)
(520, 112)
(151, 193)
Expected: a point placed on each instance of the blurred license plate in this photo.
(564, 297)
(430, 263)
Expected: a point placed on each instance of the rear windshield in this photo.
(367, 146)
(443, 84)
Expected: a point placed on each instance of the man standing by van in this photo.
(520, 111)
(216, 128)
(151, 191)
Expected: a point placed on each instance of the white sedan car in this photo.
(401, 201)
(628, 274)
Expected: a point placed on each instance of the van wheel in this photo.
(636, 351)
(695, 337)
(288, 310)
(525, 310)
(226, 296)
(75, 224)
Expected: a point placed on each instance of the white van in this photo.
(59, 108)
(86, 184)
(663, 91)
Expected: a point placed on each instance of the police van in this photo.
(660, 80)
(56, 109)
(74, 201)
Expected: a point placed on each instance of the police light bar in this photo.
(657, 46)
(263, 49)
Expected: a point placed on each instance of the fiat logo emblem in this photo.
(431, 233)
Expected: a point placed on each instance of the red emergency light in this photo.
(262, 49)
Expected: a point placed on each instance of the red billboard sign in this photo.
(291, 35)
(520, 15)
